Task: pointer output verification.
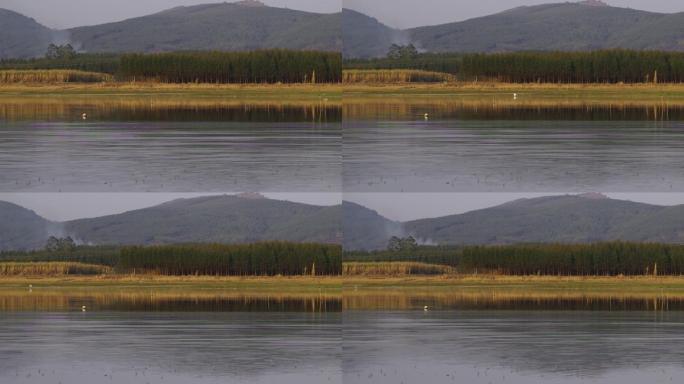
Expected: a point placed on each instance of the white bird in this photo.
(425, 308)
(426, 116)
(83, 308)
(84, 115)
(515, 96)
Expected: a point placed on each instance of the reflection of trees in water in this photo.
(132, 109)
(484, 299)
(406, 109)
(150, 301)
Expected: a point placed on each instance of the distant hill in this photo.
(220, 26)
(22, 229)
(222, 219)
(587, 25)
(21, 36)
(567, 219)
(364, 36)
(364, 228)
(244, 25)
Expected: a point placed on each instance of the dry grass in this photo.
(51, 269)
(52, 76)
(390, 76)
(394, 269)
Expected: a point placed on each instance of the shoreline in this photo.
(309, 91)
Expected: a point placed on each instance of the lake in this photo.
(495, 146)
(513, 346)
(149, 145)
(140, 337)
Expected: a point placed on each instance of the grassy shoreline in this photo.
(655, 284)
(608, 92)
(250, 283)
(332, 92)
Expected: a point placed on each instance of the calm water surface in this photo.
(170, 347)
(138, 148)
(513, 347)
(481, 149)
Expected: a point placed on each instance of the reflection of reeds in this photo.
(493, 107)
(393, 269)
(385, 76)
(515, 292)
(51, 76)
(502, 300)
(51, 269)
(161, 108)
(160, 299)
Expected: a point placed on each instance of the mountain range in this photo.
(586, 25)
(215, 219)
(244, 25)
(249, 218)
(567, 219)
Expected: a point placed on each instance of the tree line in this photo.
(595, 259)
(599, 259)
(256, 259)
(264, 66)
(602, 66)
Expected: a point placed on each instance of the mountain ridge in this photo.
(206, 219)
(583, 218)
(578, 26)
(245, 25)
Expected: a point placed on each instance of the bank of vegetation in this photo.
(255, 259)
(258, 259)
(50, 76)
(51, 269)
(389, 76)
(261, 67)
(597, 259)
(398, 268)
(603, 66)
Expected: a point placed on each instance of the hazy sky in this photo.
(69, 206)
(414, 13)
(74, 13)
(411, 206)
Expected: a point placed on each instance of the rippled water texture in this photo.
(513, 347)
(480, 147)
(139, 146)
(169, 347)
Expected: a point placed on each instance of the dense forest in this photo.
(606, 66)
(267, 66)
(599, 259)
(264, 66)
(255, 259)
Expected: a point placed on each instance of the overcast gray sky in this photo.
(74, 13)
(410, 206)
(414, 13)
(70, 206)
